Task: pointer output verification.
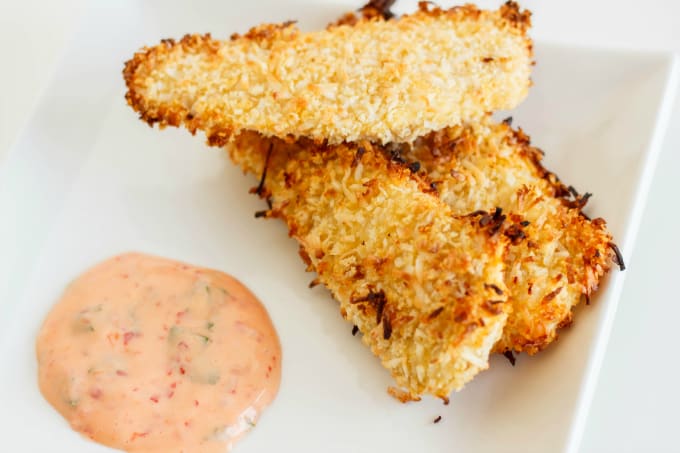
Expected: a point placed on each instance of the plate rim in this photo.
(650, 155)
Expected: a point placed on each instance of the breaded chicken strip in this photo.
(424, 287)
(564, 255)
(557, 259)
(378, 80)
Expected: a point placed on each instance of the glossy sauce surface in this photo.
(145, 354)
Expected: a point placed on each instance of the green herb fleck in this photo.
(174, 333)
(73, 403)
(213, 379)
(210, 325)
(82, 325)
(200, 376)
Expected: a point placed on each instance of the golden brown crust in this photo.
(564, 254)
(513, 14)
(555, 260)
(377, 80)
(171, 113)
(421, 285)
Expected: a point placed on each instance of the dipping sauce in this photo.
(145, 354)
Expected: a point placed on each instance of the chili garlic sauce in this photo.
(145, 354)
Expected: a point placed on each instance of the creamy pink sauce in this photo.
(145, 354)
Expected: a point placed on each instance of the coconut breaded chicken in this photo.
(564, 254)
(554, 261)
(484, 165)
(424, 287)
(376, 79)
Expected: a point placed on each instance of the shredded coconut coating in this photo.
(420, 284)
(554, 262)
(564, 254)
(374, 79)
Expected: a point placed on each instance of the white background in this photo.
(635, 406)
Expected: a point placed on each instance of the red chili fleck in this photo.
(182, 370)
(233, 391)
(186, 423)
(171, 394)
(95, 393)
(121, 373)
(183, 345)
(135, 435)
(269, 368)
(154, 398)
(125, 276)
(173, 385)
(127, 336)
(195, 402)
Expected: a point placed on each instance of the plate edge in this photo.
(598, 349)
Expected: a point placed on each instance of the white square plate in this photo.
(87, 180)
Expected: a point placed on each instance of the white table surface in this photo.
(638, 393)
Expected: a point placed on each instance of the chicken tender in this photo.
(554, 261)
(376, 79)
(564, 254)
(424, 287)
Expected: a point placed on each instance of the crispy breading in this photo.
(564, 254)
(379, 80)
(557, 259)
(424, 287)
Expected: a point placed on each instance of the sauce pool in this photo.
(146, 354)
